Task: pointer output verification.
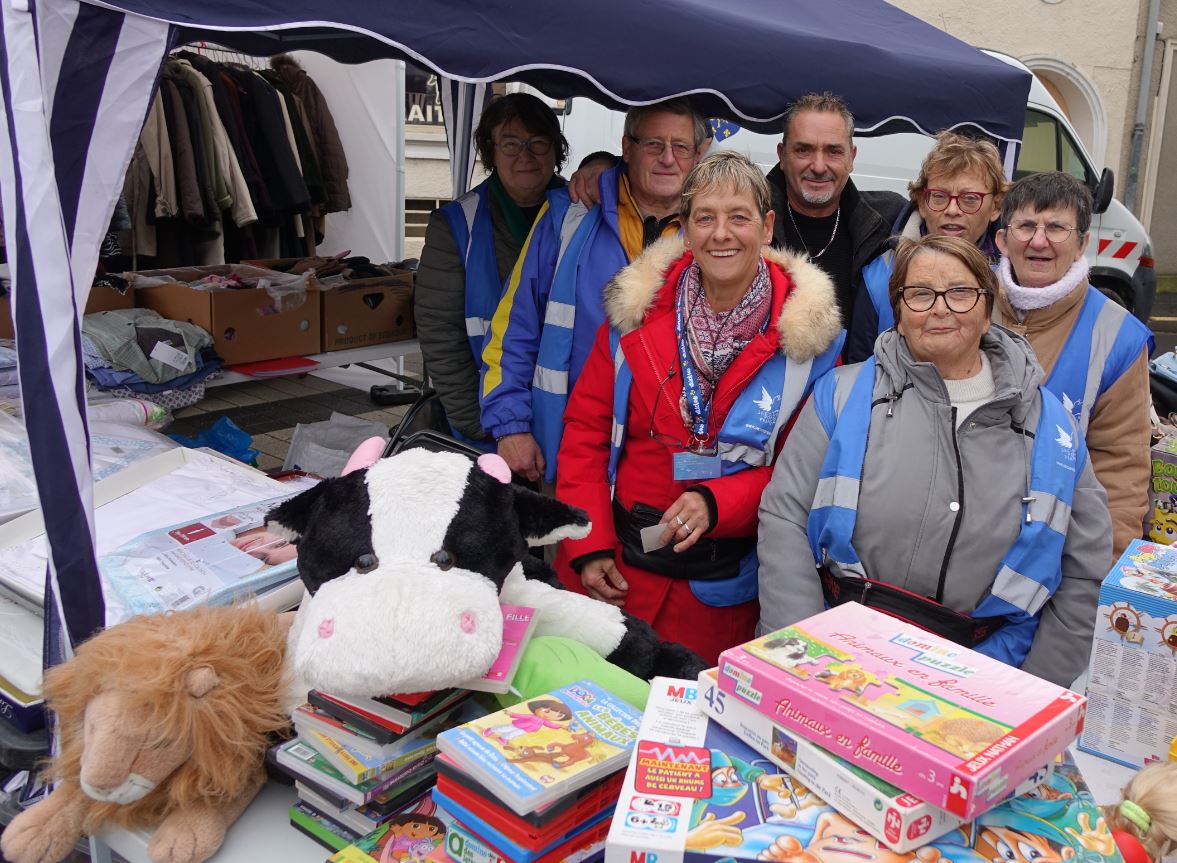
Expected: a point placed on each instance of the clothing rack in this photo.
(228, 56)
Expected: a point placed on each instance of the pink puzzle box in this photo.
(937, 720)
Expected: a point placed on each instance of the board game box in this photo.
(891, 815)
(1161, 521)
(694, 793)
(1132, 675)
(940, 721)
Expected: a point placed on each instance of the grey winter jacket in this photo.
(917, 468)
(439, 305)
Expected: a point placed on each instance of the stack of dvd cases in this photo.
(538, 782)
(354, 769)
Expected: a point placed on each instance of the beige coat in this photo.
(1118, 434)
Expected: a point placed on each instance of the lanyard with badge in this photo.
(695, 462)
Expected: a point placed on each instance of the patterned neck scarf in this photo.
(717, 338)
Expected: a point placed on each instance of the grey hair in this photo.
(726, 169)
(1050, 190)
(680, 107)
(825, 102)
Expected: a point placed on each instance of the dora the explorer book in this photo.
(413, 836)
(545, 747)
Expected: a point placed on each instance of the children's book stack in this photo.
(536, 783)
(354, 772)
(421, 832)
(696, 792)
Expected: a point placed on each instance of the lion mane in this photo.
(146, 662)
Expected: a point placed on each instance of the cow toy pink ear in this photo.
(366, 455)
(495, 465)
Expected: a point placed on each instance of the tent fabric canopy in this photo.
(742, 60)
(77, 79)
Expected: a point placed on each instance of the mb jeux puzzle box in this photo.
(955, 728)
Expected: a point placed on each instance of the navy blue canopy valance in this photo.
(743, 60)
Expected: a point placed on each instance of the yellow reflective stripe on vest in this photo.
(492, 353)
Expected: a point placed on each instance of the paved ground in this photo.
(1164, 322)
(270, 409)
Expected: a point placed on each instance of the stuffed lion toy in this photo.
(163, 720)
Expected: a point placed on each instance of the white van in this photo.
(1120, 251)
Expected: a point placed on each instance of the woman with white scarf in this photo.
(1093, 351)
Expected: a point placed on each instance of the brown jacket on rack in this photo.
(324, 138)
(1118, 433)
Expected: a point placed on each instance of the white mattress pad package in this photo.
(168, 488)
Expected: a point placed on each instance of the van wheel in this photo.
(1113, 291)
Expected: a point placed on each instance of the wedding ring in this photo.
(678, 518)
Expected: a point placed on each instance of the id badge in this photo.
(693, 465)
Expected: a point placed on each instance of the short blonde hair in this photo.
(957, 154)
(726, 169)
(964, 251)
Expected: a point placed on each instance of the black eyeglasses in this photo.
(968, 202)
(959, 300)
(540, 145)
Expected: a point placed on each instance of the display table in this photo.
(264, 831)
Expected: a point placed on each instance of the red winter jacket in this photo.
(639, 302)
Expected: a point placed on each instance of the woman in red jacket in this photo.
(711, 345)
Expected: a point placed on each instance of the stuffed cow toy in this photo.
(407, 562)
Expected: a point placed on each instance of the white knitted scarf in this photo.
(1028, 299)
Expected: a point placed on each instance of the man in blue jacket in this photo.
(544, 327)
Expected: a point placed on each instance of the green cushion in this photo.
(549, 662)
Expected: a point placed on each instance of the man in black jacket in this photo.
(818, 209)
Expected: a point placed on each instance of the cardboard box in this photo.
(247, 324)
(1132, 676)
(1161, 519)
(102, 299)
(366, 312)
(942, 722)
(283, 265)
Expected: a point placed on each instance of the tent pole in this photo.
(398, 98)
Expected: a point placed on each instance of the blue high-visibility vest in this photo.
(877, 277)
(1031, 570)
(1106, 338)
(473, 232)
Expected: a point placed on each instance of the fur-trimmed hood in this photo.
(808, 323)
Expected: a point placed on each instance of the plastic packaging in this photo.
(323, 448)
(224, 436)
(286, 290)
